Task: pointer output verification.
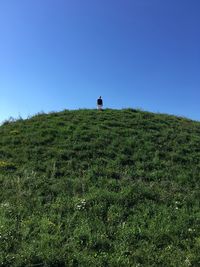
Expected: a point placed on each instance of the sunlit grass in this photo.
(89, 188)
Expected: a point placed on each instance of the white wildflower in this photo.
(81, 205)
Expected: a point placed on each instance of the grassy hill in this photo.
(88, 188)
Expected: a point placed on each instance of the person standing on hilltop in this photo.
(99, 103)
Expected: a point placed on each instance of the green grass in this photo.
(88, 188)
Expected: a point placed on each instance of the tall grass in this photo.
(111, 188)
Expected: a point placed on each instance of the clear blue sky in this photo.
(57, 54)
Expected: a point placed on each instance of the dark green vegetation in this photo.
(88, 188)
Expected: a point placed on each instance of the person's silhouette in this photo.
(99, 103)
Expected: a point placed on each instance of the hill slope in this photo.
(89, 188)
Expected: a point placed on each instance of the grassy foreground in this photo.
(88, 188)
